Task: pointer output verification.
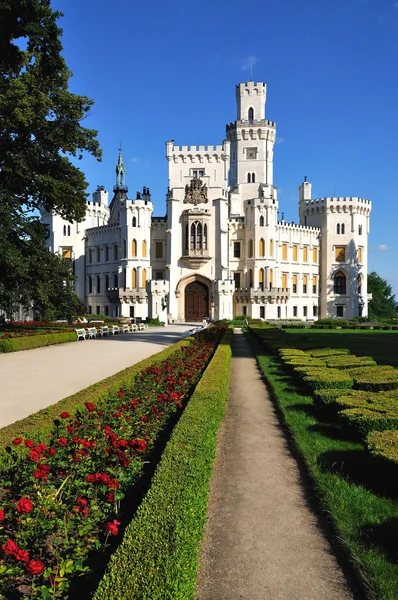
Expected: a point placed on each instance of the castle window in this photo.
(284, 252)
(294, 311)
(339, 283)
(338, 228)
(106, 282)
(250, 115)
(314, 311)
(250, 254)
(295, 252)
(236, 249)
(271, 248)
(314, 255)
(261, 279)
(262, 312)
(144, 249)
(196, 174)
(261, 223)
(115, 252)
(340, 311)
(205, 237)
(270, 279)
(261, 247)
(90, 285)
(134, 223)
(193, 236)
(98, 254)
(304, 311)
(143, 278)
(159, 249)
(342, 228)
(294, 285)
(359, 255)
(253, 178)
(237, 280)
(68, 229)
(340, 253)
(305, 254)
(251, 153)
(107, 253)
(159, 275)
(249, 178)
(106, 307)
(284, 281)
(251, 278)
(64, 229)
(199, 236)
(98, 284)
(359, 229)
(90, 255)
(134, 248)
(359, 284)
(115, 281)
(67, 253)
(134, 279)
(314, 284)
(305, 280)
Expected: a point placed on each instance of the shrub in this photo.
(368, 371)
(329, 378)
(326, 398)
(363, 420)
(345, 362)
(36, 341)
(328, 352)
(384, 444)
(384, 380)
(158, 557)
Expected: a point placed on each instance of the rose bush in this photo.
(61, 498)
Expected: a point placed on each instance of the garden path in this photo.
(262, 541)
(33, 379)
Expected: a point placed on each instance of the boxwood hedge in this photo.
(36, 341)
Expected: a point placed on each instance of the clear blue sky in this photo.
(167, 70)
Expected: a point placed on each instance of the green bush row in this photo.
(36, 341)
(328, 378)
(348, 361)
(37, 425)
(328, 352)
(377, 381)
(158, 558)
(384, 444)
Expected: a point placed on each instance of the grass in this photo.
(381, 345)
(360, 504)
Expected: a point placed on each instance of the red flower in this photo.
(24, 505)
(123, 444)
(145, 419)
(90, 478)
(29, 444)
(70, 429)
(113, 484)
(63, 415)
(52, 451)
(22, 555)
(33, 455)
(82, 501)
(112, 528)
(120, 393)
(42, 472)
(90, 406)
(2, 515)
(41, 448)
(17, 441)
(62, 441)
(10, 547)
(110, 497)
(34, 567)
(117, 414)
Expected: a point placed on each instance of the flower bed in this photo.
(61, 499)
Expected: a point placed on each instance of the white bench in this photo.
(125, 329)
(141, 326)
(81, 334)
(104, 330)
(134, 327)
(91, 332)
(115, 329)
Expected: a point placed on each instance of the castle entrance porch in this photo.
(196, 301)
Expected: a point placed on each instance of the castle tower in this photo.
(252, 139)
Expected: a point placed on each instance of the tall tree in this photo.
(382, 304)
(40, 131)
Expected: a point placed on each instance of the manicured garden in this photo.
(341, 411)
(65, 493)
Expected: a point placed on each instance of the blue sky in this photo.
(160, 71)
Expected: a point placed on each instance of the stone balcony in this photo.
(262, 296)
(127, 295)
(196, 258)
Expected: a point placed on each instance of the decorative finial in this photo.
(305, 178)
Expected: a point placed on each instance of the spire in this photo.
(120, 173)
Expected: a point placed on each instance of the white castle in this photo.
(221, 250)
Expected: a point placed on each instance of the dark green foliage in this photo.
(382, 304)
(384, 444)
(36, 341)
(158, 557)
(375, 382)
(40, 131)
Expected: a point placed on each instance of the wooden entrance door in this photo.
(196, 301)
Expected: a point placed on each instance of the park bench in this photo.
(125, 329)
(104, 330)
(134, 327)
(81, 334)
(115, 329)
(141, 326)
(91, 332)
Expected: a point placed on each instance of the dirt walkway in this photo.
(261, 541)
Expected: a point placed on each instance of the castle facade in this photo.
(221, 250)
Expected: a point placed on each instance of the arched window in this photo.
(340, 283)
(249, 178)
(338, 228)
(251, 278)
(199, 236)
(193, 236)
(68, 229)
(134, 248)
(250, 248)
(261, 279)
(271, 248)
(134, 222)
(134, 279)
(143, 278)
(186, 237)
(359, 284)
(250, 115)
(205, 237)
(342, 228)
(144, 249)
(359, 229)
(261, 247)
(253, 177)
(64, 229)
(270, 278)
(261, 223)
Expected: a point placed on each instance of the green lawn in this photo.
(381, 345)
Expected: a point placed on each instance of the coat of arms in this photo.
(195, 192)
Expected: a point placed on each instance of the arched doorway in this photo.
(196, 301)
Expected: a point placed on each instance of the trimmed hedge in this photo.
(329, 378)
(36, 341)
(345, 362)
(364, 370)
(364, 421)
(328, 352)
(40, 423)
(377, 381)
(326, 398)
(384, 444)
(158, 558)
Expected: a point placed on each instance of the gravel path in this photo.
(261, 541)
(33, 379)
